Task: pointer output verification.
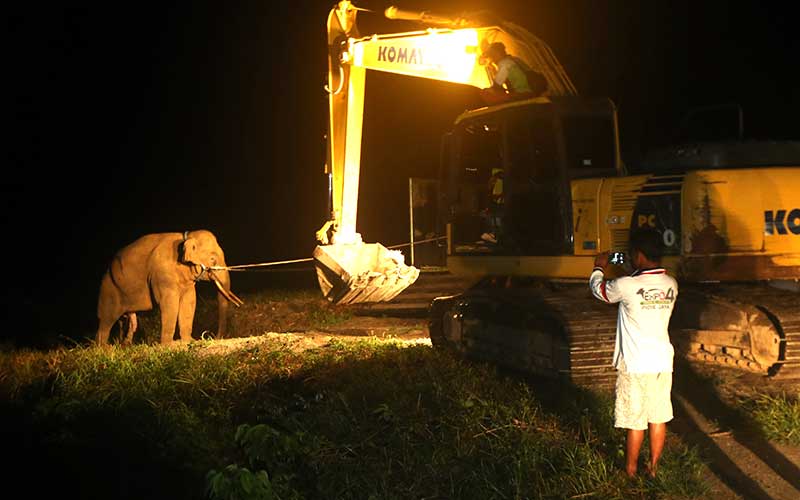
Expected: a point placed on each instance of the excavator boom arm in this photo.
(441, 53)
(436, 54)
(348, 269)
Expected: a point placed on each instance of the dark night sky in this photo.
(152, 116)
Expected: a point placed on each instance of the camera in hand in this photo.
(617, 258)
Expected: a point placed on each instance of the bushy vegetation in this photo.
(357, 420)
(778, 416)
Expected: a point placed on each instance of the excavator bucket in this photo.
(362, 272)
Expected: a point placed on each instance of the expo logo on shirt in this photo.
(656, 298)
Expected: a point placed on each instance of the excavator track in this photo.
(779, 306)
(590, 327)
(557, 331)
(560, 330)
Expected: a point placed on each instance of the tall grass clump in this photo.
(356, 420)
(778, 416)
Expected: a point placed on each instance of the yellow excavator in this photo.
(729, 215)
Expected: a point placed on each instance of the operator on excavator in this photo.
(512, 78)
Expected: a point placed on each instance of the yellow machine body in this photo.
(723, 225)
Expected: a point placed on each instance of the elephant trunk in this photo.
(222, 280)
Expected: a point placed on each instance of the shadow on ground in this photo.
(694, 392)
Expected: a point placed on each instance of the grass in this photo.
(359, 420)
(777, 416)
(767, 408)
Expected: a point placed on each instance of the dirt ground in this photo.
(306, 321)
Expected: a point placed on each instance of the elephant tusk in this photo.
(236, 300)
(232, 298)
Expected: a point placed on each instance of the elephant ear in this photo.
(190, 251)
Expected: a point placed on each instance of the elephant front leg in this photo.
(169, 315)
(186, 314)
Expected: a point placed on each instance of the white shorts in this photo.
(642, 398)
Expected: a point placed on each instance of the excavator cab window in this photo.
(537, 201)
(475, 152)
(521, 146)
(481, 151)
(589, 145)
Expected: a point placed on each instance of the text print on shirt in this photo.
(656, 298)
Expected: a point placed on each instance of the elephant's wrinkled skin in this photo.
(162, 267)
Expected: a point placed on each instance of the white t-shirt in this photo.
(646, 300)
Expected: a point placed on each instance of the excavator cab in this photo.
(540, 145)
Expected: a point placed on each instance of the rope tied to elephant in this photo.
(246, 267)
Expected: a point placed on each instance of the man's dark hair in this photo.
(647, 242)
(497, 47)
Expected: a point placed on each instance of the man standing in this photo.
(642, 353)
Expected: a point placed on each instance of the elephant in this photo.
(163, 267)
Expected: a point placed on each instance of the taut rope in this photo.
(245, 267)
